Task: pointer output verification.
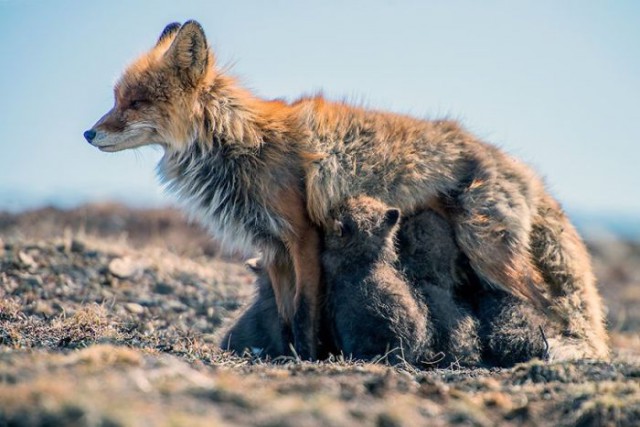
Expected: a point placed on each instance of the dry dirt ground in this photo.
(111, 317)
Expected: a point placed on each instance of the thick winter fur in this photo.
(265, 174)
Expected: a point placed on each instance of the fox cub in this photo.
(256, 331)
(370, 310)
(373, 310)
(265, 175)
(483, 325)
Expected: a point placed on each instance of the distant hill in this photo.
(592, 225)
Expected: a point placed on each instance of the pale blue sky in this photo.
(556, 83)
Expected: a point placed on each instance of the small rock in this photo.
(202, 325)
(27, 260)
(176, 306)
(123, 268)
(106, 294)
(33, 282)
(148, 302)
(77, 246)
(134, 308)
(163, 288)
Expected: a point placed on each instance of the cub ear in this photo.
(189, 53)
(254, 264)
(168, 32)
(391, 217)
(338, 228)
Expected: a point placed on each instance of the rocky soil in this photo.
(111, 317)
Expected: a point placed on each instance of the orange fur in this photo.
(266, 174)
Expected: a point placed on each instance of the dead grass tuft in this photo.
(104, 355)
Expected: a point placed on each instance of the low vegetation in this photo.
(101, 324)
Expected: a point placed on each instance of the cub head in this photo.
(362, 225)
(156, 97)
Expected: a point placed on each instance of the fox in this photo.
(370, 311)
(448, 330)
(265, 174)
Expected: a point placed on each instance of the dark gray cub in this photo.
(431, 261)
(371, 307)
(473, 324)
(257, 331)
(512, 331)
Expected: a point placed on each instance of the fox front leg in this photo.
(305, 254)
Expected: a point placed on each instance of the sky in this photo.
(556, 84)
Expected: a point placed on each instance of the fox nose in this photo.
(89, 135)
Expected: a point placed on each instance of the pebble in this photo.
(163, 288)
(176, 306)
(27, 260)
(134, 308)
(123, 268)
(77, 246)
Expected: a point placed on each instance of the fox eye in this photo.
(137, 103)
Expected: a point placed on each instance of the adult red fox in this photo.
(265, 175)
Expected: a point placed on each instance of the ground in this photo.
(111, 317)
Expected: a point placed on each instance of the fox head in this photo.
(362, 226)
(157, 96)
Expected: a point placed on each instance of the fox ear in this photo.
(391, 217)
(168, 32)
(189, 53)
